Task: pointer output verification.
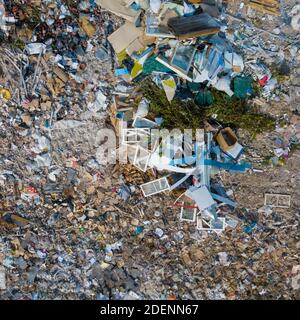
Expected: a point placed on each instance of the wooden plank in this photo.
(275, 2)
(265, 6)
(267, 2)
(259, 6)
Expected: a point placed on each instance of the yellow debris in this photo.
(136, 70)
(5, 94)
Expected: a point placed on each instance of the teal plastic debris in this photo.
(193, 86)
(204, 98)
(47, 123)
(139, 230)
(120, 115)
(151, 65)
(242, 87)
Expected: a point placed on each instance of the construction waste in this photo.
(196, 193)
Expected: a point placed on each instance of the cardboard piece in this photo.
(226, 139)
(120, 8)
(122, 38)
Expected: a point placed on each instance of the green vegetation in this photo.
(177, 114)
(230, 111)
(236, 113)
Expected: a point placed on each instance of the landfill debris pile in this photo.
(211, 212)
(187, 46)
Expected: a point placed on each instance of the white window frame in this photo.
(194, 213)
(201, 221)
(157, 190)
(278, 196)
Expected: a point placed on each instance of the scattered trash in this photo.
(203, 99)
(227, 141)
(295, 283)
(250, 228)
(159, 232)
(124, 192)
(2, 279)
(223, 258)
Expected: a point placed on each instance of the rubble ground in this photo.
(72, 227)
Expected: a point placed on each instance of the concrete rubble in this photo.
(211, 212)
